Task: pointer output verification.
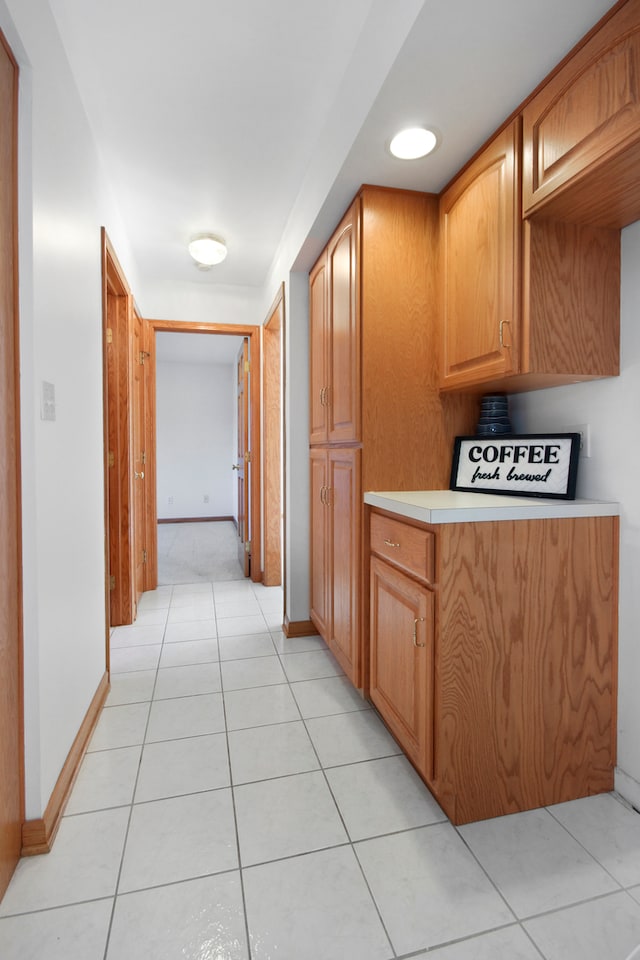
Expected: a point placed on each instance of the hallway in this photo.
(237, 790)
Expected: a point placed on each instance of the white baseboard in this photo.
(627, 787)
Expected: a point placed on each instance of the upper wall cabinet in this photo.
(582, 131)
(480, 237)
(525, 305)
(335, 337)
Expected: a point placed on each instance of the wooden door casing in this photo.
(11, 703)
(273, 433)
(243, 464)
(138, 457)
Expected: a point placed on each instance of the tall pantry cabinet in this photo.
(377, 420)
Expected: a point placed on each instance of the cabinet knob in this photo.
(391, 543)
(415, 632)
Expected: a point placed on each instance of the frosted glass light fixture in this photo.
(413, 143)
(207, 250)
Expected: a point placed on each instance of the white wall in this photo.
(195, 439)
(611, 408)
(63, 201)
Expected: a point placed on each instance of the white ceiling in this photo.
(236, 116)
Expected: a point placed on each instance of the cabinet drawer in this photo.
(409, 548)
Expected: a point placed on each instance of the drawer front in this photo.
(410, 548)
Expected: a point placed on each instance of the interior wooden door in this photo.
(138, 457)
(11, 739)
(243, 465)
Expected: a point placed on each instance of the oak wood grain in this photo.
(410, 548)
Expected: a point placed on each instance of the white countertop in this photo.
(455, 506)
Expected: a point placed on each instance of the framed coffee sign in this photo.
(531, 465)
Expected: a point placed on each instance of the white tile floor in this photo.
(240, 800)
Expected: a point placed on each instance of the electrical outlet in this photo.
(584, 429)
(169, 499)
(205, 498)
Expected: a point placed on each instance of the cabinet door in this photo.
(318, 373)
(401, 664)
(346, 508)
(320, 558)
(582, 131)
(480, 223)
(344, 329)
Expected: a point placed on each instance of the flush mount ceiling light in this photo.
(413, 143)
(207, 250)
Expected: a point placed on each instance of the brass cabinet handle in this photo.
(502, 343)
(391, 543)
(415, 632)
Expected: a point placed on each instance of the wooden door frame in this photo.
(12, 583)
(117, 313)
(273, 438)
(254, 335)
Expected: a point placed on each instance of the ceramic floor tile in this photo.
(201, 610)
(274, 618)
(179, 839)
(194, 920)
(155, 599)
(128, 659)
(229, 589)
(326, 696)
(313, 907)
(135, 636)
(509, 943)
(177, 767)
(351, 737)
(190, 651)
(242, 607)
(130, 687)
(187, 681)
(296, 644)
(78, 932)
(534, 862)
(199, 588)
(190, 598)
(284, 817)
(105, 779)
(185, 717)
(608, 830)
(603, 929)
(310, 666)
(147, 618)
(259, 706)
(246, 646)
(428, 888)
(265, 752)
(191, 630)
(635, 893)
(238, 626)
(382, 796)
(82, 865)
(256, 672)
(120, 727)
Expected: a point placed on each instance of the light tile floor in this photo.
(240, 800)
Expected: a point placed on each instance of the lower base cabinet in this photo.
(510, 703)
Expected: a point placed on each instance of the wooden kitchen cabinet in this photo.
(402, 658)
(526, 305)
(378, 419)
(582, 130)
(335, 337)
(336, 499)
(512, 703)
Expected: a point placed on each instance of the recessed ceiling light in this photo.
(207, 250)
(413, 143)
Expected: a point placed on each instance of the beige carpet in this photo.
(190, 552)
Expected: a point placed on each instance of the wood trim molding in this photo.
(197, 520)
(298, 628)
(38, 835)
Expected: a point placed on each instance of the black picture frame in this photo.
(542, 465)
